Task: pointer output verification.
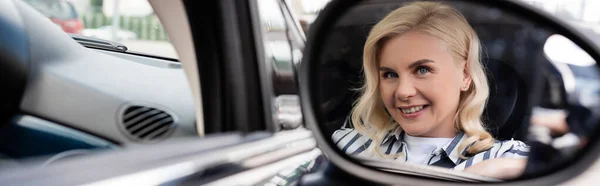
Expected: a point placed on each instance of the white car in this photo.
(105, 33)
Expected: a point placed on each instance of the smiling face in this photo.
(420, 84)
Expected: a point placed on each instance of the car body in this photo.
(124, 81)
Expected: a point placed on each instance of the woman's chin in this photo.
(414, 131)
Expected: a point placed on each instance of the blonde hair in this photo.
(369, 115)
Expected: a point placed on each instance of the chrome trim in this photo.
(262, 174)
(248, 155)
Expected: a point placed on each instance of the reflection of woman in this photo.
(423, 96)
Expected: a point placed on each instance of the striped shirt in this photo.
(354, 143)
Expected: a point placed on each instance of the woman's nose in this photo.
(405, 90)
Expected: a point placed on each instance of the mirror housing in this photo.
(308, 82)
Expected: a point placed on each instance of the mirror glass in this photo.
(454, 88)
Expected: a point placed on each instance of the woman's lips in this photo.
(414, 114)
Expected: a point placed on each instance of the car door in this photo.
(234, 97)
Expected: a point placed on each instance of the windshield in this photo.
(132, 23)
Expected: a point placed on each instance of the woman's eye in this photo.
(422, 70)
(388, 75)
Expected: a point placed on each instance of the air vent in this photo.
(146, 123)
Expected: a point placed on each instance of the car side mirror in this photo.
(361, 93)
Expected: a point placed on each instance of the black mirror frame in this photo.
(308, 94)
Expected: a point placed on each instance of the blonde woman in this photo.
(423, 96)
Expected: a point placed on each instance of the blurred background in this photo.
(133, 22)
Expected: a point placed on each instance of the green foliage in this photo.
(96, 3)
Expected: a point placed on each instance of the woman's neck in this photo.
(436, 134)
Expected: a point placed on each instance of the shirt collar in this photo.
(395, 133)
(451, 149)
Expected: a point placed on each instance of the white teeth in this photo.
(411, 110)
